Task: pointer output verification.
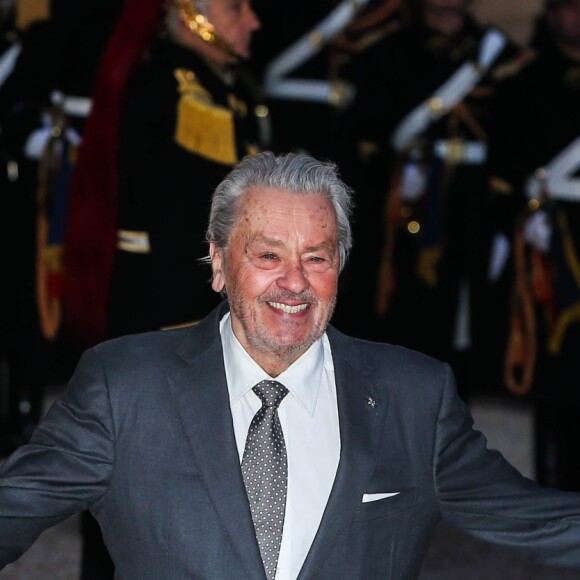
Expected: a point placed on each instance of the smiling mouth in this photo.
(288, 309)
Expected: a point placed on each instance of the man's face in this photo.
(234, 22)
(280, 271)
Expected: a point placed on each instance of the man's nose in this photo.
(293, 279)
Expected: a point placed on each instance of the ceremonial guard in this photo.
(422, 120)
(307, 54)
(46, 76)
(172, 114)
(17, 295)
(535, 158)
(164, 131)
(304, 54)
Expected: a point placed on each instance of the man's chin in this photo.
(287, 348)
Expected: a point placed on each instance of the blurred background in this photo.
(466, 231)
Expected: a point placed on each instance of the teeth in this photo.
(288, 309)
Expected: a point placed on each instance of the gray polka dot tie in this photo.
(265, 471)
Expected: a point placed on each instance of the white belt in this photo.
(556, 188)
(309, 44)
(466, 152)
(276, 84)
(555, 179)
(312, 91)
(71, 105)
(36, 142)
(133, 241)
(8, 61)
(451, 92)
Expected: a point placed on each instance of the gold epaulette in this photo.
(30, 11)
(514, 66)
(203, 127)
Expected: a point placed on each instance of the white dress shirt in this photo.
(309, 419)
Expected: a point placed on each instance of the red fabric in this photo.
(92, 219)
(54, 284)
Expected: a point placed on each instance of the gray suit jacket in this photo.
(144, 438)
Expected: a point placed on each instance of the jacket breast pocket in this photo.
(386, 507)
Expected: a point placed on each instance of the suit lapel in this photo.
(202, 402)
(362, 410)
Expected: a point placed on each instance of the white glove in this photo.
(500, 250)
(37, 140)
(36, 143)
(538, 231)
(413, 182)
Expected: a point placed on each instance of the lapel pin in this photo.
(371, 403)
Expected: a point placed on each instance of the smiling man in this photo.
(263, 443)
(281, 274)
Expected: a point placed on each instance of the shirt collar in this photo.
(302, 378)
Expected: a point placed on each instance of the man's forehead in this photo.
(270, 196)
(257, 203)
(261, 209)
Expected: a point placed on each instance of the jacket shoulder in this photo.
(399, 368)
(149, 348)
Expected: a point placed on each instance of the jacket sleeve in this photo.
(65, 467)
(480, 492)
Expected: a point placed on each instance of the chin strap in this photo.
(199, 25)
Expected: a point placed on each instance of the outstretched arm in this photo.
(65, 467)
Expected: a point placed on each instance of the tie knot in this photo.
(271, 393)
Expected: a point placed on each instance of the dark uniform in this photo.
(318, 120)
(434, 231)
(538, 118)
(22, 96)
(314, 121)
(59, 56)
(59, 53)
(17, 294)
(184, 126)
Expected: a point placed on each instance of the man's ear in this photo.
(218, 281)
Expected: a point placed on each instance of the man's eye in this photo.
(316, 259)
(318, 263)
(268, 256)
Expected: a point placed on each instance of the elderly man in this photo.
(263, 443)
